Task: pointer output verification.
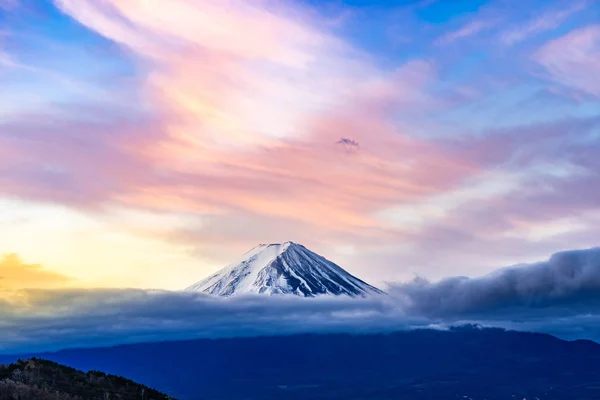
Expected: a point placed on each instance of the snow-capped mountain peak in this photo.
(283, 268)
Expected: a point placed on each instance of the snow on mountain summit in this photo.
(283, 268)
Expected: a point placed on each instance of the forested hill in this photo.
(37, 379)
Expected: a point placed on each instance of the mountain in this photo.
(283, 268)
(458, 364)
(37, 379)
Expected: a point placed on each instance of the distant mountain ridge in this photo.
(458, 364)
(284, 268)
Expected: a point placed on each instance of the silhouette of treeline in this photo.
(37, 379)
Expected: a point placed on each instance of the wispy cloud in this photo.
(573, 60)
(471, 28)
(8, 4)
(246, 123)
(5, 59)
(226, 115)
(547, 21)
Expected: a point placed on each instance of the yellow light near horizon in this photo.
(94, 252)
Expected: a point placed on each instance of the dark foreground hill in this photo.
(465, 363)
(37, 379)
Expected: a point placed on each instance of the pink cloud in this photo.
(246, 131)
(78, 163)
(316, 181)
(243, 105)
(573, 60)
(252, 100)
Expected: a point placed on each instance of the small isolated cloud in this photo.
(559, 296)
(15, 274)
(350, 145)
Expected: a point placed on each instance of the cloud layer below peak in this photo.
(557, 296)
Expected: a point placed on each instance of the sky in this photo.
(145, 144)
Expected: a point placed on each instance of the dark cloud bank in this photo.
(559, 296)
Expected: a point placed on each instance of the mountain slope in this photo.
(283, 268)
(37, 379)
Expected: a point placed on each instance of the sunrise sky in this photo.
(147, 143)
